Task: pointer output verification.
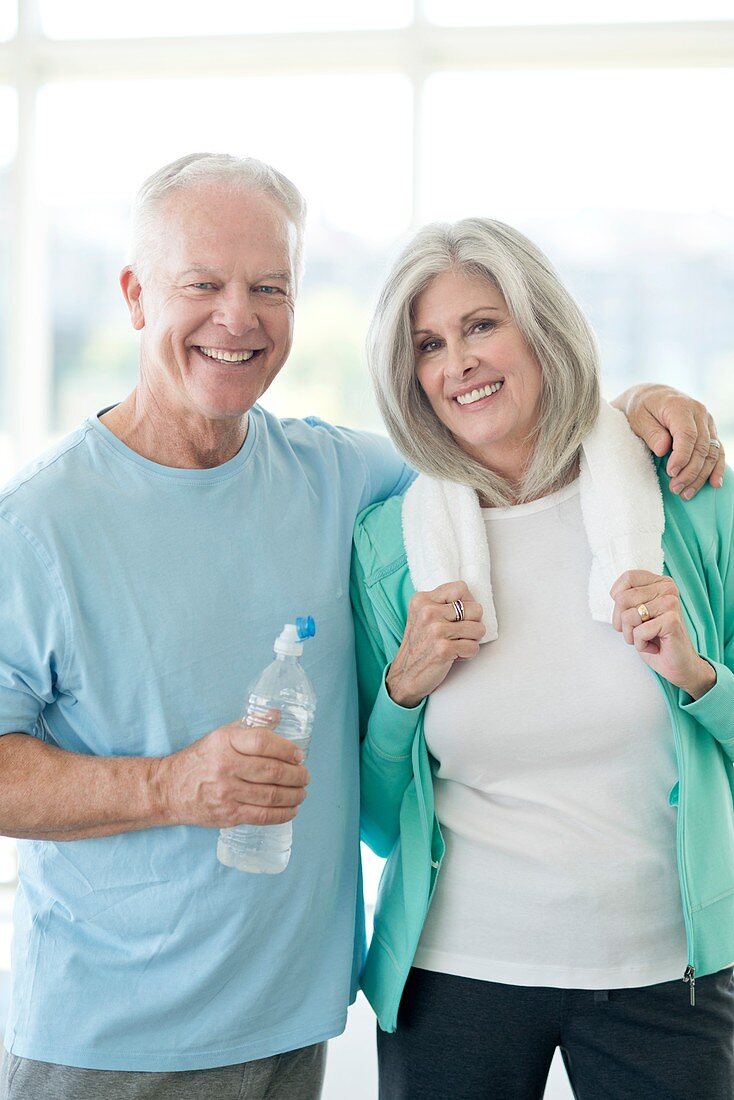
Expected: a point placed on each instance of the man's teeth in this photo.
(477, 395)
(227, 356)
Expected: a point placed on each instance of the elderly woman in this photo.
(545, 635)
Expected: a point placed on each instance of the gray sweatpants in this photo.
(296, 1075)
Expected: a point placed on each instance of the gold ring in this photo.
(643, 613)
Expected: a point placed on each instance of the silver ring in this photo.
(715, 443)
(459, 609)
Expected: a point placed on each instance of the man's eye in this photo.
(202, 286)
(269, 289)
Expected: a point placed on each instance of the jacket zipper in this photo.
(689, 975)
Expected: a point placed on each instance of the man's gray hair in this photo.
(551, 323)
(219, 169)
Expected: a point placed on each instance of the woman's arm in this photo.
(706, 684)
(670, 421)
(386, 729)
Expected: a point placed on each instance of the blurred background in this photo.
(601, 130)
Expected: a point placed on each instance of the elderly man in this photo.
(148, 562)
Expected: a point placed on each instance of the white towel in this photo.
(621, 504)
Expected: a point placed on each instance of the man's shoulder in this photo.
(350, 457)
(48, 476)
(313, 432)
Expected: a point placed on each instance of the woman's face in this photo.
(481, 379)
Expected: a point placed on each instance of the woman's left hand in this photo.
(647, 610)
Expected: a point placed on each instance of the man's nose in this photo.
(236, 312)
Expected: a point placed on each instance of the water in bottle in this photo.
(283, 694)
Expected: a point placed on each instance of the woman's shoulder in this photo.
(378, 535)
(709, 514)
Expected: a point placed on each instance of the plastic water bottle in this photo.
(284, 687)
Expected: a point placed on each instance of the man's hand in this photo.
(235, 775)
(665, 419)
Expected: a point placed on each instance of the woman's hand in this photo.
(665, 419)
(433, 640)
(647, 610)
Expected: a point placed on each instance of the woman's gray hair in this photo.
(551, 323)
(239, 174)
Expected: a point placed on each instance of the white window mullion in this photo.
(30, 322)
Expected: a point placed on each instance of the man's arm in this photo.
(668, 420)
(234, 775)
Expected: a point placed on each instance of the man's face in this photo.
(216, 309)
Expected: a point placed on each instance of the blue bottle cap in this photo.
(305, 626)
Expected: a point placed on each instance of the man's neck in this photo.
(183, 442)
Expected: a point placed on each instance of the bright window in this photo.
(624, 178)
(8, 144)
(8, 19)
(142, 18)
(314, 129)
(480, 13)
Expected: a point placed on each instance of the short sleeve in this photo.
(387, 474)
(33, 629)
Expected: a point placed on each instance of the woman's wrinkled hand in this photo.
(433, 640)
(647, 611)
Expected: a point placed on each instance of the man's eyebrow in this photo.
(199, 270)
(284, 276)
(466, 316)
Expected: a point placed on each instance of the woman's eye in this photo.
(482, 326)
(429, 345)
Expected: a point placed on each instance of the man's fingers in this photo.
(655, 434)
(716, 477)
(263, 769)
(262, 815)
(268, 794)
(259, 741)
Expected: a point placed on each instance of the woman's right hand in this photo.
(433, 640)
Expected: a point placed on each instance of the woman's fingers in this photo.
(646, 612)
(472, 611)
(443, 626)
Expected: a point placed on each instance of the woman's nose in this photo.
(460, 362)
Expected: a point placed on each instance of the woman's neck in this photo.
(565, 478)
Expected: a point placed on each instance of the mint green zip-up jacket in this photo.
(398, 818)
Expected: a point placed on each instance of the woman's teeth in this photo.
(227, 356)
(477, 395)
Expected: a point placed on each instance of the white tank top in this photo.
(556, 760)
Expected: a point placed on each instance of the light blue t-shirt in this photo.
(138, 604)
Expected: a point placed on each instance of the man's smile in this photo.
(221, 355)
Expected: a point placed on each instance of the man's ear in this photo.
(133, 294)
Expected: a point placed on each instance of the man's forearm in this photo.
(51, 794)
